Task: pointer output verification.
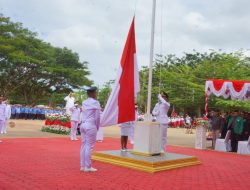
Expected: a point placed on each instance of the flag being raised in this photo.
(120, 107)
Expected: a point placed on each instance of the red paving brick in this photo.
(53, 163)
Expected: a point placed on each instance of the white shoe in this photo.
(163, 151)
(123, 150)
(90, 170)
(82, 169)
(76, 139)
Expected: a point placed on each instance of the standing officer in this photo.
(161, 112)
(70, 101)
(91, 110)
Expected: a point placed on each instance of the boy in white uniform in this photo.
(8, 115)
(2, 114)
(161, 112)
(75, 120)
(70, 102)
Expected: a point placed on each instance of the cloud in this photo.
(97, 29)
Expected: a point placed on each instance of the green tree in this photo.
(104, 92)
(32, 71)
(184, 79)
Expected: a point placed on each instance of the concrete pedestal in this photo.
(200, 137)
(146, 154)
(147, 138)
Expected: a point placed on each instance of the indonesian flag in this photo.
(120, 107)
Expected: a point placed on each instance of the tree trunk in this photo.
(199, 112)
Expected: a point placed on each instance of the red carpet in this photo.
(53, 163)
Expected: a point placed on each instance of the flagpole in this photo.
(151, 61)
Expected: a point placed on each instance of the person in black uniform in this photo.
(225, 123)
(246, 130)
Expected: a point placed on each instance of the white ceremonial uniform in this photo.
(3, 115)
(70, 102)
(75, 120)
(161, 112)
(8, 115)
(90, 124)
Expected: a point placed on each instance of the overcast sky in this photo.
(97, 29)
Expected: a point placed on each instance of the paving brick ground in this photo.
(53, 163)
(32, 129)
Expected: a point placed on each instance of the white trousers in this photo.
(73, 130)
(164, 128)
(2, 124)
(4, 128)
(88, 135)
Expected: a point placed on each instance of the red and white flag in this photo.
(120, 107)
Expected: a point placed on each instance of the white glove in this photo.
(159, 96)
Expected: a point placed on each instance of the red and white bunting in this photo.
(228, 88)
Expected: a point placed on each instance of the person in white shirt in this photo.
(188, 124)
(70, 101)
(91, 110)
(125, 132)
(161, 112)
(75, 120)
(8, 115)
(2, 114)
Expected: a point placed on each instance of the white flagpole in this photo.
(151, 60)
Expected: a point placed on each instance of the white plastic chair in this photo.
(244, 147)
(224, 145)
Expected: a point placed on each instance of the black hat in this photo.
(92, 89)
(165, 94)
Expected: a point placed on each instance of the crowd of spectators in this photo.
(237, 122)
(32, 113)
